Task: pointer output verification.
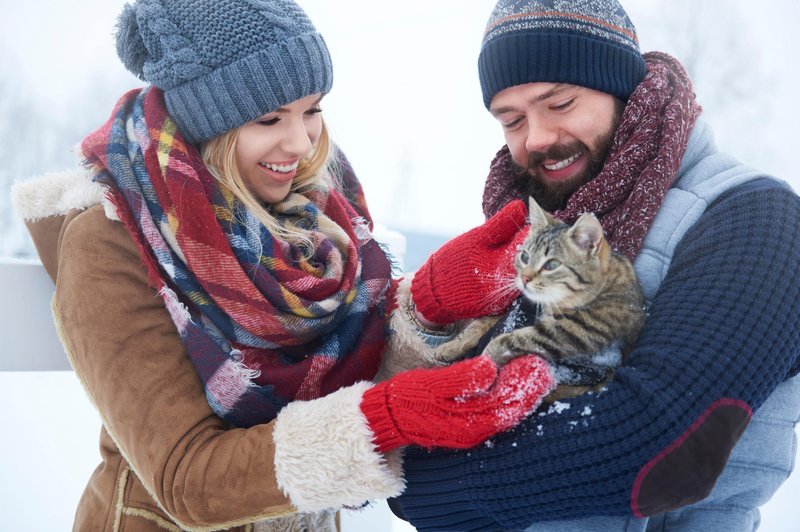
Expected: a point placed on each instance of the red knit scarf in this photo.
(641, 166)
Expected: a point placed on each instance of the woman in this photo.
(221, 298)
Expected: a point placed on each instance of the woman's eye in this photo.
(269, 121)
(524, 257)
(551, 264)
(314, 111)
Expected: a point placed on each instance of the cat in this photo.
(590, 301)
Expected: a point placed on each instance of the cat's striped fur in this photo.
(589, 296)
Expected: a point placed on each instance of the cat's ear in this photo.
(587, 233)
(538, 217)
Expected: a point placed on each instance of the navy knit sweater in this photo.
(721, 334)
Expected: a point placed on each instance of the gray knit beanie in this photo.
(223, 63)
(591, 43)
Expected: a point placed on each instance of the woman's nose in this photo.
(297, 140)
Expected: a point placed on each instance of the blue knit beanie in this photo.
(591, 43)
(223, 63)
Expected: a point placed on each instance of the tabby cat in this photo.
(591, 305)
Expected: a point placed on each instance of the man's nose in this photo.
(541, 136)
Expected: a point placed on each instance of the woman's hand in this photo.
(473, 274)
(457, 406)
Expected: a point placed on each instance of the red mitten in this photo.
(473, 274)
(457, 406)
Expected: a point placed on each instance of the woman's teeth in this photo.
(562, 164)
(283, 168)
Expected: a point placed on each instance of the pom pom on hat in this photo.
(130, 46)
(223, 63)
(591, 44)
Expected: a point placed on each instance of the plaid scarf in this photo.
(263, 324)
(641, 166)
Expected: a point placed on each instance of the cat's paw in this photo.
(448, 353)
(498, 345)
(499, 352)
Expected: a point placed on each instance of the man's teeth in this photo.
(562, 164)
(280, 167)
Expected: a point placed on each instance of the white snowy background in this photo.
(405, 107)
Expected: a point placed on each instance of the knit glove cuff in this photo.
(424, 293)
(375, 407)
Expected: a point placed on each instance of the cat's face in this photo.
(559, 266)
(546, 272)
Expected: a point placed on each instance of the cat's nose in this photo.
(525, 279)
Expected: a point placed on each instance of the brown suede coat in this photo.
(168, 461)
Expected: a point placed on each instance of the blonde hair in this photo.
(219, 155)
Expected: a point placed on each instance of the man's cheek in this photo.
(520, 157)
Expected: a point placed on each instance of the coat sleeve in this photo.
(722, 333)
(203, 473)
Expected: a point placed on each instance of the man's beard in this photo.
(553, 195)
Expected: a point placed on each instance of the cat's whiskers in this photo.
(506, 287)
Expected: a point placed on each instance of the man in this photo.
(592, 125)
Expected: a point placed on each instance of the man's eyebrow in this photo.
(553, 91)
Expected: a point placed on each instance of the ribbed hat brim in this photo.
(558, 57)
(229, 97)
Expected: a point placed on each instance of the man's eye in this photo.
(563, 106)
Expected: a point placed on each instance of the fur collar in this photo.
(56, 193)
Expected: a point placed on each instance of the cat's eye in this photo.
(524, 257)
(551, 264)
